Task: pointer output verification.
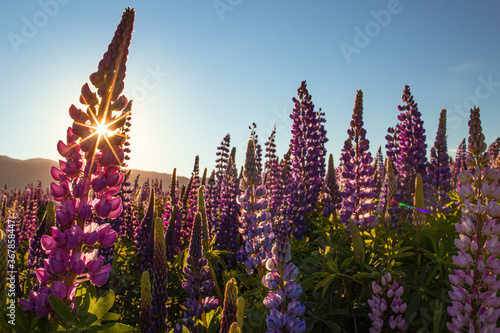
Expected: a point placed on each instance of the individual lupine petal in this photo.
(90, 234)
(75, 236)
(58, 288)
(100, 277)
(42, 276)
(274, 320)
(273, 300)
(76, 263)
(293, 290)
(85, 209)
(271, 280)
(48, 243)
(296, 308)
(106, 235)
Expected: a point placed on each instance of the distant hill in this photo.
(19, 173)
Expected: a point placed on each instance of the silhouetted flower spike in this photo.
(146, 298)
(158, 313)
(459, 165)
(331, 193)
(439, 169)
(358, 192)
(493, 150)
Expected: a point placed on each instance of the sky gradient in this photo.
(198, 70)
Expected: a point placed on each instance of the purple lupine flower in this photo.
(198, 283)
(282, 299)
(30, 219)
(158, 312)
(407, 148)
(439, 169)
(36, 254)
(387, 307)
(331, 194)
(459, 165)
(475, 305)
(358, 190)
(307, 151)
(171, 220)
(87, 182)
(256, 226)
(227, 230)
(144, 237)
(271, 172)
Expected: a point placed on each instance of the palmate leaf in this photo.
(65, 314)
(103, 304)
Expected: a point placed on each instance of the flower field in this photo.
(405, 241)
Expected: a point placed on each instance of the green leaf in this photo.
(117, 328)
(110, 316)
(438, 313)
(64, 312)
(103, 304)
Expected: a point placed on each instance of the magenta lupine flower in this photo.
(358, 190)
(256, 226)
(282, 300)
(459, 165)
(439, 169)
(387, 307)
(475, 283)
(307, 152)
(407, 148)
(87, 182)
(198, 283)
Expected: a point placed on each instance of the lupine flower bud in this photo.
(357, 241)
(146, 298)
(418, 219)
(229, 311)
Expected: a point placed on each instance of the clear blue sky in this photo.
(200, 69)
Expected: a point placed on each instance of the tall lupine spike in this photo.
(36, 254)
(146, 299)
(357, 241)
(229, 310)
(144, 237)
(331, 194)
(410, 151)
(227, 229)
(358, 192)
(212, 202)
(158, 313)
(197, 283)
(171, 199)
(418, 218)
(307, 150)
(3, 274)
(439, 170)
(257, 228)
(475, 283)
(221, 161)
(87, 182)
(385, 305)
(459, 165)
